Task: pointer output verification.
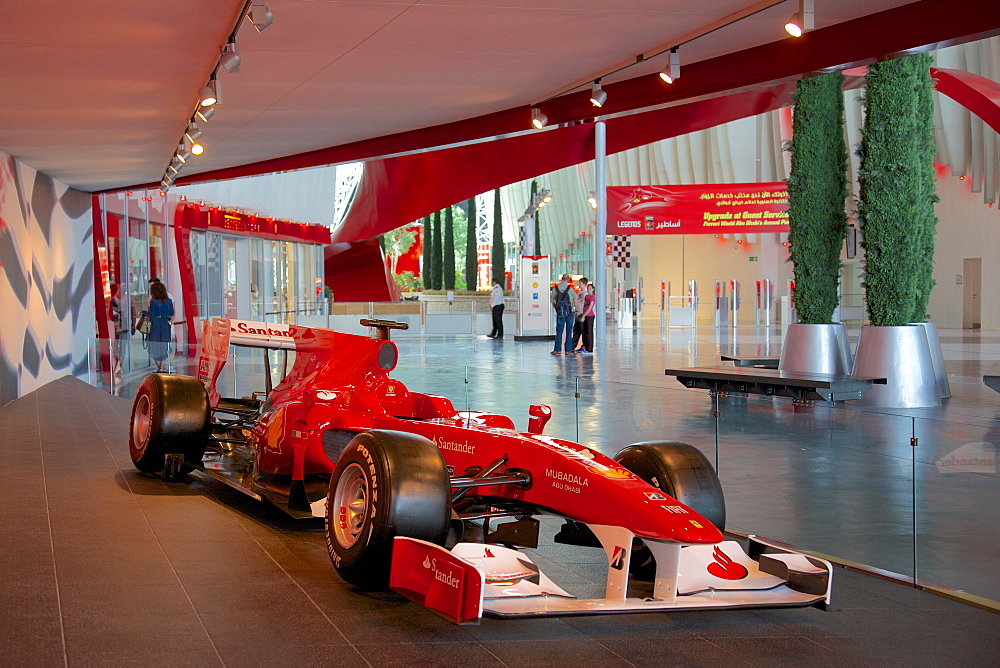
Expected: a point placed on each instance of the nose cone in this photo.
(696, 529)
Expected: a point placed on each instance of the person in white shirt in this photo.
(496, 302)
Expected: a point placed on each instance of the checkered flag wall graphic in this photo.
(621, 250)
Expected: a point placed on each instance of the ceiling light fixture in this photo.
(672, 72)
(209, 94)
(538, 119)
(260, 16)
(230, 58)
(197, 148)
(802, 20)
(192, 132)
(204, 114)
(183, 153)
(597, 96)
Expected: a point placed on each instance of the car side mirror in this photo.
(538, 416)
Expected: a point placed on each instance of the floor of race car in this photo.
(103, 565)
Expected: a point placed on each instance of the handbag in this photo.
(144, 326)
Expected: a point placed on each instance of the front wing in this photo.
(473, 580)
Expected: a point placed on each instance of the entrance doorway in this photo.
(972, 283)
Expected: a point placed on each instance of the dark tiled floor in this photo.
(105, 566)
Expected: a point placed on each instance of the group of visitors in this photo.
(574, 309)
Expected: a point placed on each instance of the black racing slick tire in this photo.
(170, 414)
(682, 472)
(386, 484)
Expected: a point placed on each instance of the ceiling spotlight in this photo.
(197, 148)
(204, 113)
(230, 59)
(192, 132)
(260, 16)
(802, 20)
(538, 119)
(597, 96)
(174, 166)
(209, 95)
(182, 152)
(672, 71)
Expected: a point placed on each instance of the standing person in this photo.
(496, 303)
(581, 286)
(589, 304)
(564, 303)
(160, 313)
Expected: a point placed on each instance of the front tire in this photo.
(681, 471)
(170, 414)
(386, 484)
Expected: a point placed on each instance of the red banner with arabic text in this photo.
(703, 209)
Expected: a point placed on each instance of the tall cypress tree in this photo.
(498, 259)
(817, 192)
(471, 246)
(448, 253)
(425, 270)
(891, 190)
(927, 220)
(436, 259)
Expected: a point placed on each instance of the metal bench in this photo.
(774, 382)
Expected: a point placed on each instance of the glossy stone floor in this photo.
(102, 565)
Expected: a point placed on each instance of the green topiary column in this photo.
(926, 229)
(817, 192)
(894, 191)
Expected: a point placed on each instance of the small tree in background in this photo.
(436, 281)
(471, 250)
(817, 193)
(425, 270)
(396, 243)
(448, 251)
(498, 253)
(893, 191)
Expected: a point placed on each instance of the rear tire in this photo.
(386, 484)
(169, 414)
(683, 472)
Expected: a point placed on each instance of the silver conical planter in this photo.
(937, 359)
(902, 356)
(816, 349)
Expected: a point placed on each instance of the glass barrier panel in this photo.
(958, 517)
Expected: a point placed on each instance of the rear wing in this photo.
(220, 333)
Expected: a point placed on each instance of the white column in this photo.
(600, 192)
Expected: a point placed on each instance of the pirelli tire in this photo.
(683, 472)
(385, 484)
(170, 414)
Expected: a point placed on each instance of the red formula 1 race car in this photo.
(430, 501)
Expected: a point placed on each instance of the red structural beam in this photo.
(978, 94)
